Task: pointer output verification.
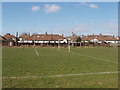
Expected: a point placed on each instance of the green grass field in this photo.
(60, 69)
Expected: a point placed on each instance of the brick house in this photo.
(43, 40)
(100, 38)
(73, 39)
(10, 39)
(8, 36)
(24, 37)
(2, 40)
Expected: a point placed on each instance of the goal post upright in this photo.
(69, 45)
(58, 44)
(69, 48)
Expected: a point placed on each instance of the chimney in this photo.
(62, 34)
(29, 34)
(45, 32)
(16, 34)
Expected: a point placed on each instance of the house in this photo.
(118, 39)
(73, 38)
(43, 39)
(24, 37)
(8, 36)
(10, 39)
(2, 40)
(100, 38)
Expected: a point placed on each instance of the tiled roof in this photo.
(72, 37)
(2, 38)
(9, 36)
(45, 37)
(24, 36)
(99, 37)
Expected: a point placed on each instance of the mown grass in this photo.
(18, 62)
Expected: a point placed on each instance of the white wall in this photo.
(111, 41)
(43, 41)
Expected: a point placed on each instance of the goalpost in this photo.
(59, 44)
(68, 44)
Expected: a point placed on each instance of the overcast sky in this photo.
(60, 18)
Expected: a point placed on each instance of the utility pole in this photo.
(73, 36)
(16, 39)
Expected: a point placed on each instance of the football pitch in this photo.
(48, 67)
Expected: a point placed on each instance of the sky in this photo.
(82, 18)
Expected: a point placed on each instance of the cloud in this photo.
(111, 25)
(80, 29)
(93, 6)
(89, 5)
(35, 8)
(51, 8)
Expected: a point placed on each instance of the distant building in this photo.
(10, 39)
(2, 40)
(24, 37)
(73, 38)
(100, 38)
(56, 39)
(8, 36)
(43, 39)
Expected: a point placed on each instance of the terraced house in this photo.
(55, 39)
(42, 39)
(100, 38)
(9, 39)
(2, 40)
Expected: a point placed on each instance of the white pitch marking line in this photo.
(94, 57)
(97, 58)
(36, 52)
(62, 75)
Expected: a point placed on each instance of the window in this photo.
(40, 36)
